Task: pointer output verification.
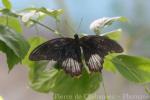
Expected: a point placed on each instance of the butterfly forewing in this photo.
(102, 43)
(95, 48)
(50, 50)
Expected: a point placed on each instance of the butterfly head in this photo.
(76, 36)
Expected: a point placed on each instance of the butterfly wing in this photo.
(50, 50)
(95, 48)
(63, 50)
(71, 60)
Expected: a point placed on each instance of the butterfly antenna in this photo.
(79, 25)
(72, 30)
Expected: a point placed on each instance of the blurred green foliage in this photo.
(13, 44)
(133, 68)
(7, 4)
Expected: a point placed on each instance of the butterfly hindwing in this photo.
(71, 60)
(93, 58)
(95, 48)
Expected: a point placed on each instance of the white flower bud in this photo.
(97, 24)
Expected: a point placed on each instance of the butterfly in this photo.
(67, 52)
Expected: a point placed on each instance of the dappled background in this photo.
(135, 39)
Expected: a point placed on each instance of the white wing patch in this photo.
(95, 63)
(71, 66)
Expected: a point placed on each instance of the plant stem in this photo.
(147, 90)
(43, 25)
(37, 30)
(106, 97)
(6, 20)
(54, 31)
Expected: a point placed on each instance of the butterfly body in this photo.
(67, 52)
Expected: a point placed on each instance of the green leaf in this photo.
(135, 69)
(9, 13)
(27, 16)
(34, 42)
(114, 35)
(14, 45)
(58, 82)
(77, 85)
(12, 58)
(12, 22)
(108, 64)
(7, 4)
(53, 13)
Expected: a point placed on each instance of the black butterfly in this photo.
(67, 52)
